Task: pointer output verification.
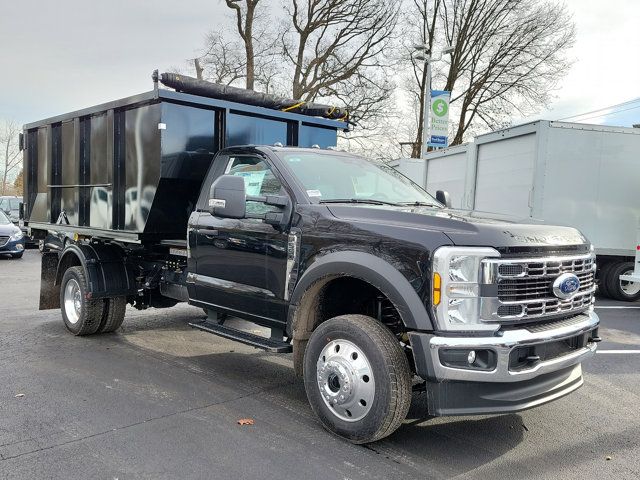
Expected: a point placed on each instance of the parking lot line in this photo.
(621, 306)
(617, 351)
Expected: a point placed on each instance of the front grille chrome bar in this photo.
(524, 287)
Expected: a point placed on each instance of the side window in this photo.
(258, 179)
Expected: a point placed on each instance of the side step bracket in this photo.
(270, 344)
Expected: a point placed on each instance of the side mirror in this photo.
(443, 197)
(228, 197)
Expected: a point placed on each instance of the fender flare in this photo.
(373, 270)
(105, 267)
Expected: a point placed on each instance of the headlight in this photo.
(456, 287)
(16, 236)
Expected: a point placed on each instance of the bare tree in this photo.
(223, 60)
(245, 15)
(18, 184)
(422, 19)
(10, 158)
(338, 51)
(508, 56)
(331, 41)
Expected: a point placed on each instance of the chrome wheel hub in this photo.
(345, 380)
(72, 301)
(630, 288)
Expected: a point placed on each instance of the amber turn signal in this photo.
(437, 282)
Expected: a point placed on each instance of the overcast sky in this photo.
(58, 56)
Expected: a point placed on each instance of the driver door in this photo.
(241, 263)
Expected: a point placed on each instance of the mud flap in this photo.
(49, 291)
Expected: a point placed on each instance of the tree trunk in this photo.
(417, 146)
(248, 43)
(199, 69)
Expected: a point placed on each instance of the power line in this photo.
(602, 109)
(609, 113)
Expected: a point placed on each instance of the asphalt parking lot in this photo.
(160, 400)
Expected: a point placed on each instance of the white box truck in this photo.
(586, 176)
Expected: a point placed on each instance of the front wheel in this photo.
(357, 378)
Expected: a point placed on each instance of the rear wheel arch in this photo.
(71, 257)
(104, 266)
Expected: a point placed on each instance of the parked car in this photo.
(11, 238)
(55, 240)
(10, 205)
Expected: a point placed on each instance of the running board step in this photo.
(269, 344)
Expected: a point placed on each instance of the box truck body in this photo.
(585, 176)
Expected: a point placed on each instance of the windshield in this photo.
(14, 203)
(3, 219)
(332, 177)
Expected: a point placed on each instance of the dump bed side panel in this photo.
(135, 166)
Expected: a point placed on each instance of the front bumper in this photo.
(13, 247)
(458, 390)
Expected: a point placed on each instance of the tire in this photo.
(383, 381)
(81, 316)
(619, 290)
(17, 255)
(603, 279)
(112, 314)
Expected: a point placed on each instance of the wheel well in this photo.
(339, 295)
(69, 259)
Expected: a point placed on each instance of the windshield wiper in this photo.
(420, 204)
(369, 201)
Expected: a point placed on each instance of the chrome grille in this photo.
(4, 241)
(524, 287)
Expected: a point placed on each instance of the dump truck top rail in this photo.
(186, 98)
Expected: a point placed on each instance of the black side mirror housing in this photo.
(444, 198)
(228, 197)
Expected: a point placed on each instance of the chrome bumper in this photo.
(502, 345)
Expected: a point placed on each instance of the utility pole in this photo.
(425, 56)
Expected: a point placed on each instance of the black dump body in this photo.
(132, 169)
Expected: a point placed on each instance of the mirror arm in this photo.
(273, 200)
(271, 218)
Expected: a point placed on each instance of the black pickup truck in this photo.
(376, 287)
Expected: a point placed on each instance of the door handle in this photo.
(208, 232)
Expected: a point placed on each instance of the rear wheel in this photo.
(603, 279)
(357, 378)
(622, 289)
(113, 314)
(81, 316)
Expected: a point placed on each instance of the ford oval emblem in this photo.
(566, 286)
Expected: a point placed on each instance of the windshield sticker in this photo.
(314, 193)
(253, 181)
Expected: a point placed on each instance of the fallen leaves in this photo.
(246, 421)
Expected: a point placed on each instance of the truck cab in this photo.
(493, 315)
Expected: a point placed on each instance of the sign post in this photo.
(439, 113)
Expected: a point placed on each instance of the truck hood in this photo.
(466, 227)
